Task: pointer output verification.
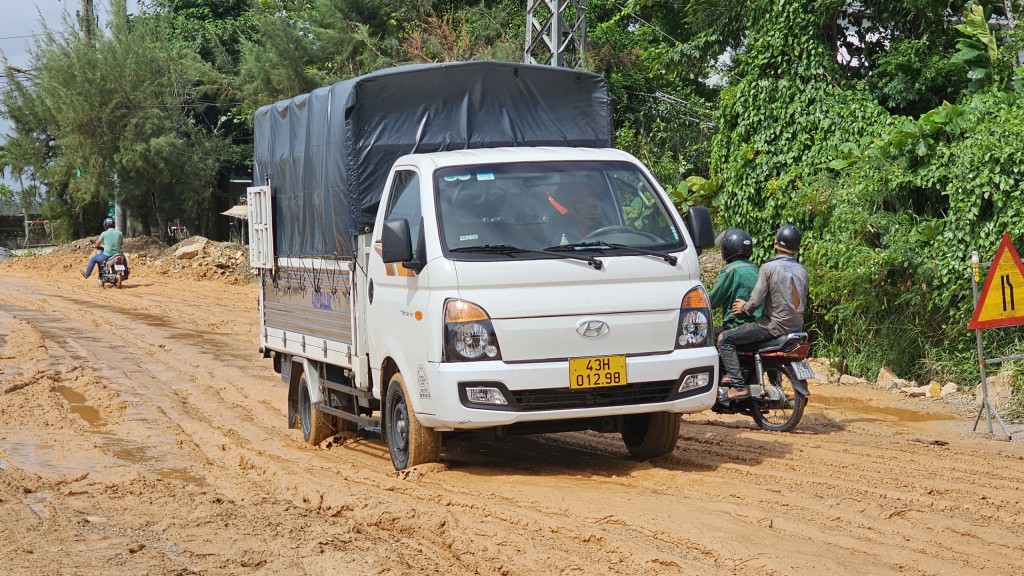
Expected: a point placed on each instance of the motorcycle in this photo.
(776, 374)
(114, 270)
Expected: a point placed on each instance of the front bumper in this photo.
(540, 391)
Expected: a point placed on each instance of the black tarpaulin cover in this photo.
(327, 154)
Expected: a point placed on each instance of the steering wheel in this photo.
(609, 230)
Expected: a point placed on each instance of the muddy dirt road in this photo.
(141, 433)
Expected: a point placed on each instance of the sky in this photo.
(21, 22)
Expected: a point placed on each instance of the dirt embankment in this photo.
(141, 433)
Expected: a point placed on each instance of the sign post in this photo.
(996, 309)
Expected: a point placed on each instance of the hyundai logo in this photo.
(592, 329)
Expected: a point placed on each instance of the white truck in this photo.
(457, 247)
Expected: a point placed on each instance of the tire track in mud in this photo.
(870, 490)
(197, 418)
(266, 464)
(848, 493)
(190, 412)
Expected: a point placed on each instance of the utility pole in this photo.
(86, 18)
(556, 33)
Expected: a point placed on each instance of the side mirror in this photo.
(396, 241)
(698, 223)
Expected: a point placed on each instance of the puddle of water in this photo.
(79, 406)
(136, 454)
(181, 475)
(53, 329)
(861, 406)
(41, 457)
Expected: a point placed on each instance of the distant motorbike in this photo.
(776, 374)
(114, 270)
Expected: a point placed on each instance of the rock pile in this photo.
(201, 258)
(195, 257)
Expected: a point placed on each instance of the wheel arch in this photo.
(388, 368)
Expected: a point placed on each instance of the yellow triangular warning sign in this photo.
(1001, 302)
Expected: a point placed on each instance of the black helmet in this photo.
(108, 223)
(735, 244)
(788, 238)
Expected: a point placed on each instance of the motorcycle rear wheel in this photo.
(776, 417)
(119, 280)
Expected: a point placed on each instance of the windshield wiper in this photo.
(490, 249)
(671, 259)
(508, 249)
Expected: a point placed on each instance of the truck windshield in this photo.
(549, 208)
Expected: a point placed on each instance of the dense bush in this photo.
(891, 206)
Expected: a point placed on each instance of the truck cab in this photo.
(530, 289)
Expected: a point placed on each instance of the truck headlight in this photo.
(468, 333)
(694, 320)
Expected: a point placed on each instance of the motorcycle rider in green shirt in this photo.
(736, 280)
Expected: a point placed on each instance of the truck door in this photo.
(397, 295)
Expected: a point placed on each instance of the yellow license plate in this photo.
(597, 372)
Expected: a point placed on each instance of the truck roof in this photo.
(327, 154)
(514, 154)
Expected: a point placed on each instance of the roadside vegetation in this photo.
(888, 131)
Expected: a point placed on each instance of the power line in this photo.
(690, 112)
(17, 37)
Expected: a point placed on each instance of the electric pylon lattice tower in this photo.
(556, 33)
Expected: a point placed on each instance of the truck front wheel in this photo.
(316, 426)
(409, 442)
(650, 435)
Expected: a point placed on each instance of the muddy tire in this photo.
(648, 436)
(409, 442)
(315, 425)
(119, 281)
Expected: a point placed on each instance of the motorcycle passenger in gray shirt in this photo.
(782, 289)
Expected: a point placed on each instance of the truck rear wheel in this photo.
(316, 426)
(650, 435)
(409, 442)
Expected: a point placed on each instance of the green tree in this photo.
(663, 89)
(217, 124)
(116, 110)
(28, 155)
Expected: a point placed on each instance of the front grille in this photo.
(564, 398)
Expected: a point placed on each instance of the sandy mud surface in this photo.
(141, 433)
